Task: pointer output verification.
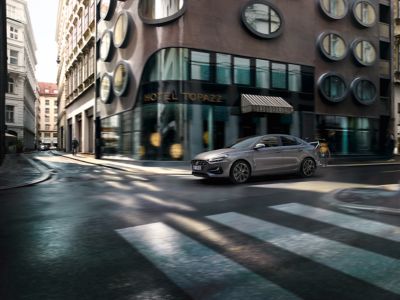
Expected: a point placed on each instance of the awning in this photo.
(265, 104)
(10, 135)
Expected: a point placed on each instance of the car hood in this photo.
(214, 153)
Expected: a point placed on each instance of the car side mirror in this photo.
(259, 146)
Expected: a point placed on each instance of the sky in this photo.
(43, 15)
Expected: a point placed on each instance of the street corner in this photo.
(378, 199)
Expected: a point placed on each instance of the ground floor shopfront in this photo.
(180, 131)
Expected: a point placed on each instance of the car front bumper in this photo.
(203, 168)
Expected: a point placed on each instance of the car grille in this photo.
(196, 162)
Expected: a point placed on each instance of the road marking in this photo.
(200, 271)
(374, 228)
(371, 267)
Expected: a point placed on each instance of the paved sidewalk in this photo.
(19, 170)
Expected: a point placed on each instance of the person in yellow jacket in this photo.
(324, 152)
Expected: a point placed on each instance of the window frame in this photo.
(324, 95)
(358, 60)
(353, 88)
(321, 39)
(164, 20)
(329, 14)
(10, 114)
(271, 7)
(360, 22)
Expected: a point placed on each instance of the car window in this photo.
(270, 141)
(289, 141)
(244, 143)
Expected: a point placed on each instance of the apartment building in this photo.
(21, 82)
(47, 115)
(177, 77)
(75, 36)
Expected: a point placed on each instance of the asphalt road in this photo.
(97, 233)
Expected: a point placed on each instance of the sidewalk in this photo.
(19, 170)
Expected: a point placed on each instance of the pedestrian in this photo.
(75, 145)
(324, 152)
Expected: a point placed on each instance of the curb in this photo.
(46, 175)
(331, 199)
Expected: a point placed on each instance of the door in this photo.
(268, 159)
(292, 153)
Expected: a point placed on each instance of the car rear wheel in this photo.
(308, 167)
(240, 172)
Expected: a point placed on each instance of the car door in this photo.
(292, 152)
(267, 159)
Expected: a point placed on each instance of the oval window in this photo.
(262, 19)
(105, 46)
(105, 88)
(364, 91)
(333, 46)
(121, 30)
(332, 87)
(364, 12)
(121, 79)
(364, 52)
(160, 11)
(106, 9)
(335, 9)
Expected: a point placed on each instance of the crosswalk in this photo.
(204, 272)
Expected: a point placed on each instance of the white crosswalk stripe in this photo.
(371, 267)
(193, 266)
(374, 228)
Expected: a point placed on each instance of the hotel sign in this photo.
(183, 97)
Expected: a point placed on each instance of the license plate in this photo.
(197, 168)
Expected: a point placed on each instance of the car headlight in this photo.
(218, 158)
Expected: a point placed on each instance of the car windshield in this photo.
(244, 143)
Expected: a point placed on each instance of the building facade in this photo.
(21, 82)
(76, 58)
(396, 70)
(180, 77)
(47, 115)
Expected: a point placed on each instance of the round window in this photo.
(262, 19)
(106, 9)
(105, 88)
(335, 9)
(160, 11)
(364, 91)
(332, 87)
(121, 30)
(333, 46)
(121, 78)
(364, 52)
(105, 46)
(364, 12)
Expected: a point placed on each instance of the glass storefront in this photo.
(189, 101)
(349, 135)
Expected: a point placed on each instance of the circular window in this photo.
(105, 46)
(121, 30)
(262, 19)
(333, 46)
(332, 87)
(121, 78)
(335, 9)
(106, 9)
(364, 52)
(364, 91)
(364, 12)
(160, 11)
(105, 88)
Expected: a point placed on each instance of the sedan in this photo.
(258, 155)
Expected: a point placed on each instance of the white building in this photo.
(75, 37)
(47, 114)
(21, 94)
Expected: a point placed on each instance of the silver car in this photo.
(258, 155)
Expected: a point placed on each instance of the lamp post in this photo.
(3, 74)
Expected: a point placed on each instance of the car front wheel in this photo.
(308, 167)
(240, 172)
